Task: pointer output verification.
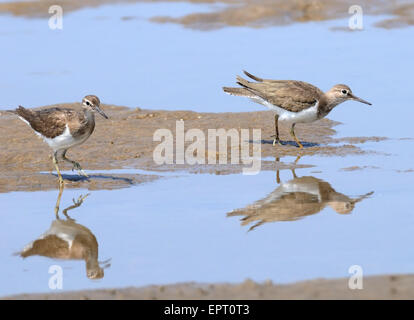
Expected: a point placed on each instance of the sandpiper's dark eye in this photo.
(87, 102)
(344, 91)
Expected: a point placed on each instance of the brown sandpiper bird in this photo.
(63, 128)
(292, 101)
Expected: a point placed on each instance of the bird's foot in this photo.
(80, 200)
(77, 167)
(277, 141)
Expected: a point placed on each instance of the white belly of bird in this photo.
(62, 142)
(304, 116)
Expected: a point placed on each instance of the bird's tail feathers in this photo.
(252, 76)
(241, 92)
(243, 82)
(246, 90)
(22, 111)
(247, 86)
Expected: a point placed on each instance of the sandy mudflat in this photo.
(250, 13)
(126, 141)
(375, 287)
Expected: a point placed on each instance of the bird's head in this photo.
(95, 269)
(341, 93)
(95, 273)
(342, 207)
(92, 103)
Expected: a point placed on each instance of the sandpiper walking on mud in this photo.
(63, 128)
(292, 101)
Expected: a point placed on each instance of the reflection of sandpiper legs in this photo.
(61, 187)
(277, 159)
(295, 162)
(297, 159)
(277, 172)
(76, 204)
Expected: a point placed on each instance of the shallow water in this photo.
(176, 228)
(164, 66)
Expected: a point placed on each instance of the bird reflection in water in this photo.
(68, 240)
(296, 199)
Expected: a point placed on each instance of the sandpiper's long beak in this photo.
(101, 112)
(359, 99)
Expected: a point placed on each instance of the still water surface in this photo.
(178, 228)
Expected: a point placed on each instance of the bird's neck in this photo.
(326, 104)
(89, 115)
(332, 99)
(88, 120)
(92, 264)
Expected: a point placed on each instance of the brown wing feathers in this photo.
(49, 122)
(290, 95)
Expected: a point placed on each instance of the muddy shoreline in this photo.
(236, 13)
(374, 287)
(126, 141)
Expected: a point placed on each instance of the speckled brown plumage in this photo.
(52, 122)
(63, 128)
(290, 95)
(292, 101)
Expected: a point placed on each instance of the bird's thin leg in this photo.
(55, 162)
(292, 133)
(276, 139)
(75, 164)
(61, 187)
